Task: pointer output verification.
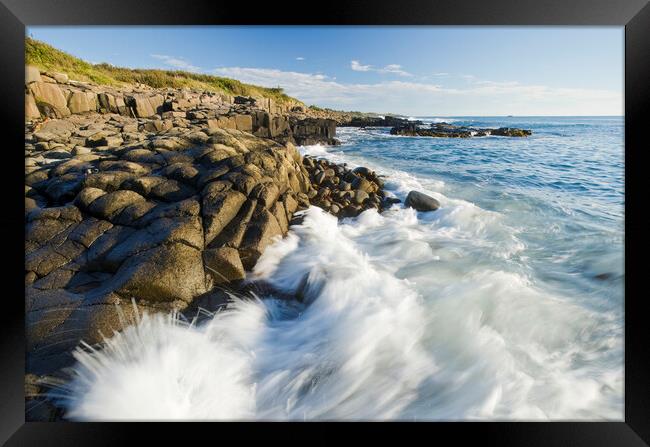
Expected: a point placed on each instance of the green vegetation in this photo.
(48, 58)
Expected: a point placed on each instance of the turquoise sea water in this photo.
(504, 304)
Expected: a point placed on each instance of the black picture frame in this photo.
(633, 14)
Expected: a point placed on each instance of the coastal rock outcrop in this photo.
(344, 192)
(115, 213)
(53, 95)
(140, 199)
(446, 130)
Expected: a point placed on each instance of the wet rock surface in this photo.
(345, 192)
(421, 201)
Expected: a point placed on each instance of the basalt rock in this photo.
(154, 222)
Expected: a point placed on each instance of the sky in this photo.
(410, 70)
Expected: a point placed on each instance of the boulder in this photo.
(50, 99)
(421, 201)
(108, 205)
(78, 102)
(165, 273)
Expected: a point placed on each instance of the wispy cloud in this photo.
(176, 62)
(390, 68)
(394, 68)
(300, 58)
(426, 98)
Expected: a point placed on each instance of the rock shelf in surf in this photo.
(152, 206)
(446, 130)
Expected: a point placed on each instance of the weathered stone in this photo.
(79, 103)
(233, 233)
(143, 185)
(32, 74)
(244, 123)
(280, 215)
(218, 210)
(223, 264)
(165, 273)
(171, 191)
(360, 196)
(266, 194)
(61, 78)
(108, 205)
(260, 233)
(31, 110)
(51, 96)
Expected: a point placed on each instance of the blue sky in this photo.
(409, 70)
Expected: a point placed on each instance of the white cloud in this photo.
(480, 97)
(176, 62)
(356, 66)
(394, 68)
(300, 58)
(390, 68)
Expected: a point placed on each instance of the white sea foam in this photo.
(404, 315)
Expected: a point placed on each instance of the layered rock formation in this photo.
(53, 95)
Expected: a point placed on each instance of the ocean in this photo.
(507, 303)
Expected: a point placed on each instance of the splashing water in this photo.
(403, 315)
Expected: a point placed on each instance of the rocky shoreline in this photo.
(139, 200)
(161, 200)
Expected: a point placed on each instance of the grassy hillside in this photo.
(49, 58)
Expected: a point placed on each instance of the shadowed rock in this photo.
(421, 201)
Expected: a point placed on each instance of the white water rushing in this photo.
(404, 315)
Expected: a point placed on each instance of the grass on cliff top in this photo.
(48, 58)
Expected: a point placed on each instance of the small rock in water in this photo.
(421, 202)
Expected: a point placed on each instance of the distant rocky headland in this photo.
(446, 130)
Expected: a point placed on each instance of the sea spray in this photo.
(362, 343)
(504, 304)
